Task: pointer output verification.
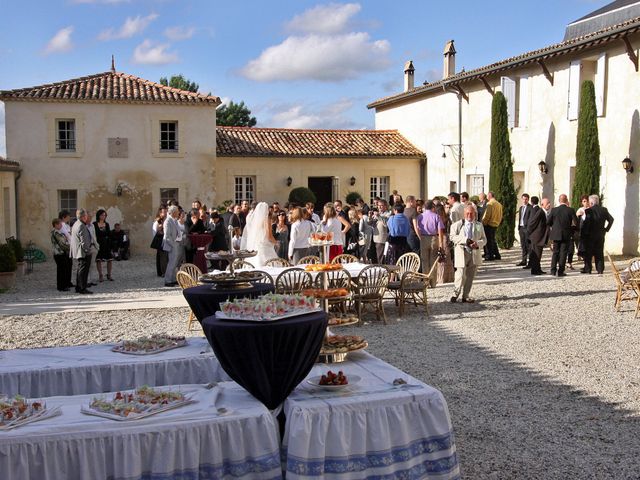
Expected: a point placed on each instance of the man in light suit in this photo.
(81, 250)
(172, 243)
(468, 238)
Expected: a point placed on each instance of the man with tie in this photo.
(561, 221)
(523, 220)
(172, 243)
(468, 238)
(596, 224)
(537, 233)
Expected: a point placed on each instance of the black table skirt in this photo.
(204, 300)
(269, 359)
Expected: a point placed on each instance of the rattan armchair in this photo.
(334, 279)
(625, 288)
(370, 287)
(293, 280)
(239, 263)
(634, 279)
(345, 258)
(264, 278)
(277, 262)
(191, 269)
(309, 260)
(186, 281)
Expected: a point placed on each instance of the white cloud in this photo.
(179, 33)
(132, 26)
(319, 57)
(61, 42)
(3, 145)
(326, 19)
(151, 53)
(303, 115)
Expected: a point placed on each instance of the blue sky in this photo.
(296, 64)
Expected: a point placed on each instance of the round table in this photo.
(269, 359)
(205, 300)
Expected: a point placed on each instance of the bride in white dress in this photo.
(257, 236)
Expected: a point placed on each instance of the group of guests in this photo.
(79, 238)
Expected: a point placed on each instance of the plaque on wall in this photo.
(118, 147)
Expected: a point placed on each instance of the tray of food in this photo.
(17, 411)
(326, 293)
(342, 320)
(342, 344)
(141, 403)
(333, 381)
(323, 267)
(228, 254)
(269, 307)
(156, 343)
(230, 279)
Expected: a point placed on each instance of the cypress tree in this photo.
(501, 170)
(587, 175)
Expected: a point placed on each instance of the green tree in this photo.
(179, 81)
(301, 195)
(501, 170)
(587, 177)
(235, 115)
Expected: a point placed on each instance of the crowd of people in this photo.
(452, 235)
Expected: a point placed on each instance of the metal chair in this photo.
(264, 278)
(293, 280)
(625, 290)
(239, 263)
(345, 258)
(186, 281)
(191, 269)
(277, 262)
(370, 288)
(309, 260)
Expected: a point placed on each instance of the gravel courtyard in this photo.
(542, 376)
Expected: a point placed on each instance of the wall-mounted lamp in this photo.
(119, 190)
(289, 181)
(444, 154)
(542, 166)
(627, 164)
(352, 181)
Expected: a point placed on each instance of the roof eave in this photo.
(199, 103)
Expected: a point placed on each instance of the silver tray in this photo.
(120, 349)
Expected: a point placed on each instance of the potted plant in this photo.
(18, 251)
(7, 267)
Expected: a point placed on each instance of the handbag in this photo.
(156, 243)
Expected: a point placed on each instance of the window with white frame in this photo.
(379, 187)
(169, 194)
(594, 69)
(168, 136)
(68, 200)
(65, 135)
(475, 184)
(516, 91)
(244, 189)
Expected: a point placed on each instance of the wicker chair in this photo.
(370, 288)
(625, 290)
(404, 286)
(334, 279)
(239, 263)
(409, 262)
(191, 269)
(309, 260)
(277, 262)
(345, 258)
(293, 280)
(264, 278)
(634, 274)
(186, 281)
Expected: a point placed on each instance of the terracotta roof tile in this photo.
(579, 43)
(108, 87)
(280, 142)
(8, 164)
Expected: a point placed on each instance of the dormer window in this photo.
(168, 136)
(65, 135)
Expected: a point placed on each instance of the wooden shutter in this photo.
(508, 86)
(524, 100)
(574, 90)
(600, 83)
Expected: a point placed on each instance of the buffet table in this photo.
(189, 442)
(205, 300)
(371, 429)
(43, 372)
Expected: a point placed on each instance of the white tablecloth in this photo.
(188, 442)
(371, 430)
(44, 372)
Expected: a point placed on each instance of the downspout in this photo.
(15, 192)
(423, 177)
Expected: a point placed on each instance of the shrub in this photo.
(352, 197)
(18, 251)
(7, 258)
(301, 195)
(587, 179)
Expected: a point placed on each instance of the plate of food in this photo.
(342, 344)
(269, 307)
(333, 381)
(323, 267)
(156, 343)
(140, 403)
(227, 278)
(328, 293)
(17, 411)
(342, 320)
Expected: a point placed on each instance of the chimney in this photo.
(449, 60)
(408, 75)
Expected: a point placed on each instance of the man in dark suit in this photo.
(537, 233)
(593, 232)
(523, 219)
(561, 221)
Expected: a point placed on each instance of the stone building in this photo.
(9, 173)
(450, 119)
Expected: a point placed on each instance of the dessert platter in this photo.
(267, 308)
(323, 267)
(141, 403)
(335, 348)
(230, 279)
(17, 411)
(156, 343)
(342, 320)
(326, 293)
(333, 381)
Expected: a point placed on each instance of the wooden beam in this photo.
(631, 52)
(486, 85)
(546, 72)
(462, 93)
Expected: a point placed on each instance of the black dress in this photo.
(103, 236)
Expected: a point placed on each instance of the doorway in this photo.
(322, 188)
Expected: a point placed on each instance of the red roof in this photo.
(8, 164)
(108, 87)
(281, 142)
